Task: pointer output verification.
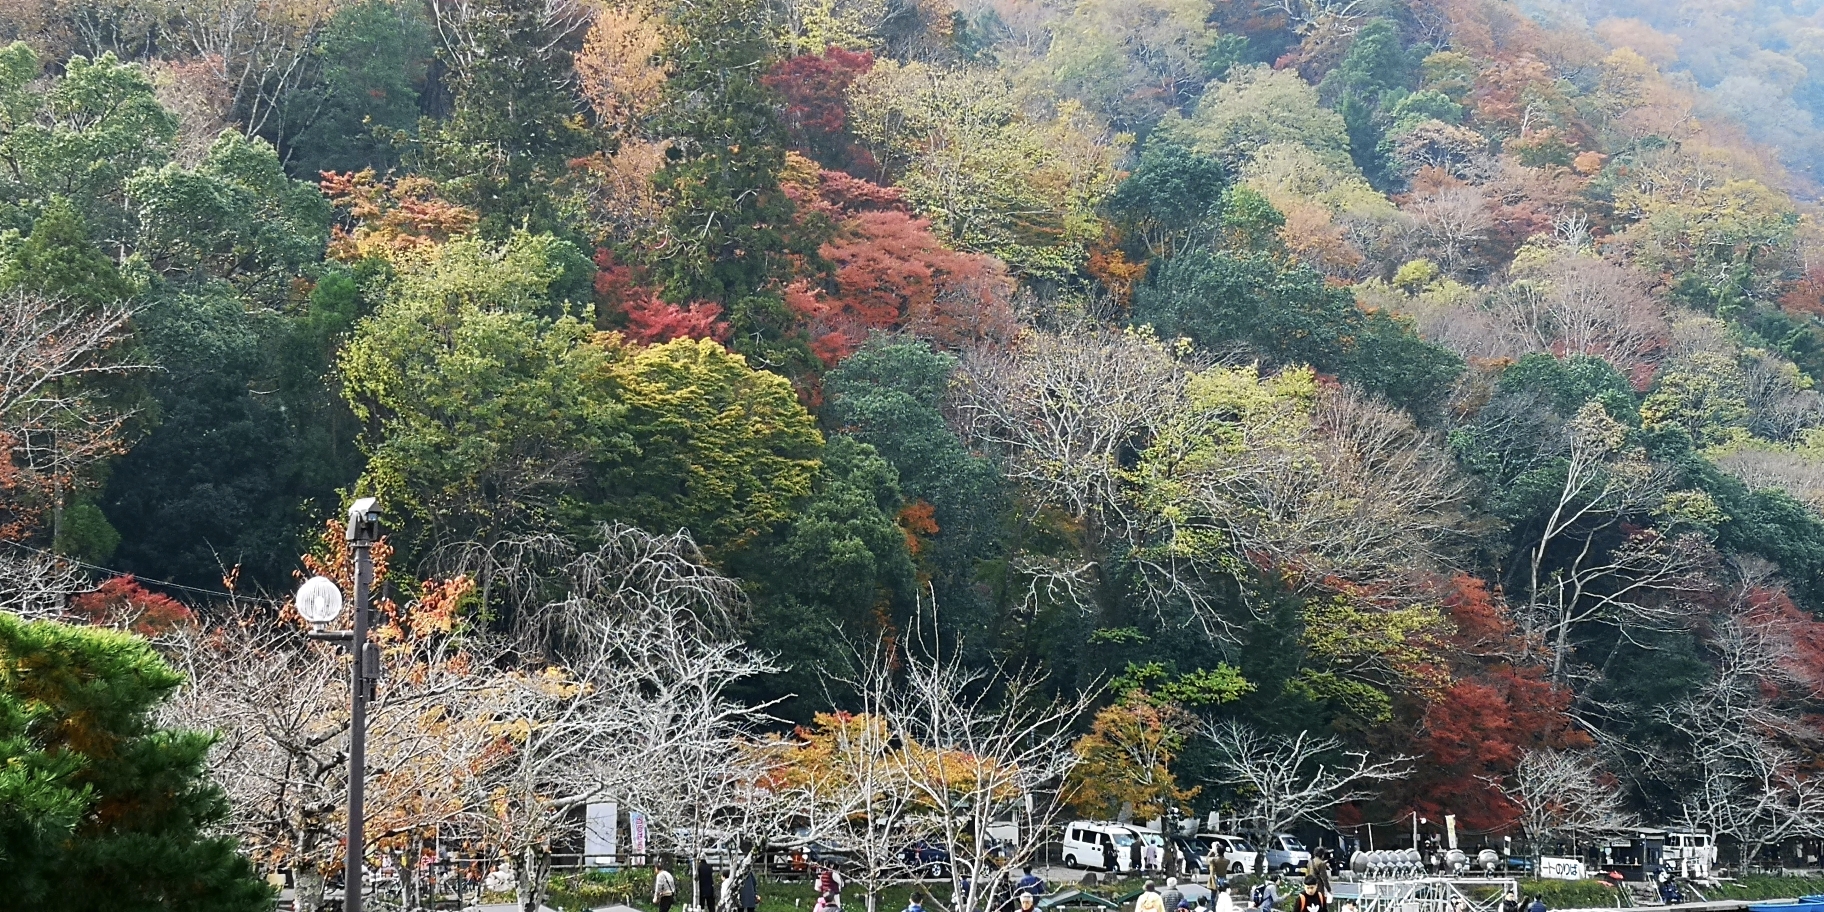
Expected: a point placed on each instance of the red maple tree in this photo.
(123, 602)
(815, 89)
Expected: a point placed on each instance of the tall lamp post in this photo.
(320, 602)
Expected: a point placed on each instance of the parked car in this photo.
(1286, 854)
(1241, 855)
(1082, 846)
(799, 853)
(923, 859)
(1191, 851)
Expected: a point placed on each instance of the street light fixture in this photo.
(320, 602)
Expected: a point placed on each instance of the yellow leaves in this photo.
(851, 753)
(391, 219)
(1126, 758)
(1359, 640)
(621, 68)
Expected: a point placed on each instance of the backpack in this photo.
(1258, 894)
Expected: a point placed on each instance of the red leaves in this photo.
(815, 89)
(891, 273)
(919, 520)
(1480, 618)
(1796, 637)
(651, 320)
(123, 602)
(1475, 734)
(646, 317)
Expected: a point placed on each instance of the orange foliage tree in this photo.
(386, 218)
(890, 273)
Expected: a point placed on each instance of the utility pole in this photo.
(320, 602)
(363, 530)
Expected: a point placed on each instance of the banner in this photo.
(1450, 830)
(1561, 869)
(599, 819)
(636, 831)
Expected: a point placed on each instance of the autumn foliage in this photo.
(890, 273)
(389, 217)
(123, 602)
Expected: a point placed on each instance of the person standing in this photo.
(1108, 854)
(747, 898)
(664, 887)
(830, 882)
(1510, 903)
(1320, 869)
(1537, 905)
(1149, 901)
(1171, 896)
(706, 884)
(1217, 861)
(1029, 883)
(917, 903)
(1310, 899)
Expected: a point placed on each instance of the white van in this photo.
(1286, 854)
(1089, 843)
(1240, 854)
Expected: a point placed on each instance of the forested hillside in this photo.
(1436, 374)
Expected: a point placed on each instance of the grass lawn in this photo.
(1766, 886)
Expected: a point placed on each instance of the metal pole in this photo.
(357, 737)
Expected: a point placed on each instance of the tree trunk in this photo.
(306, 888)
(534, 873)
(408, 873)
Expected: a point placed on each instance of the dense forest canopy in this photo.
(1439, 375)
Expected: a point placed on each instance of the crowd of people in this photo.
(1314, 894)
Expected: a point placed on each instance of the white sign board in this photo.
(1561, 869)
(599, 832)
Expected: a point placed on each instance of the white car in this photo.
(1088, 843)
(1286, 854)
(1241, 856)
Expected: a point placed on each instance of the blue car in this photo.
(926, 860)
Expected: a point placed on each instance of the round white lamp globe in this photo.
(319, 601)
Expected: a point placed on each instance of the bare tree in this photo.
(1574, 575)
(38, 586)
(1574, 304)
(857, 791)
(1749, 787)
(1564, 795)
(257, 52)
(1744, 768)
(982, 747)
(639, 657)
(1284, 779)
(1449, 226)
(1060, 410)
(52, 423)
(279, 702)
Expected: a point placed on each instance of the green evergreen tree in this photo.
(59, 259)
(375, 56)
(514, 123)
(724, 237)
(105, 810)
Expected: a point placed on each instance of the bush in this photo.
(600, 888)
(1766, 886)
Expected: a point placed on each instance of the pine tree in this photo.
(725, 237)
(100, 809)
